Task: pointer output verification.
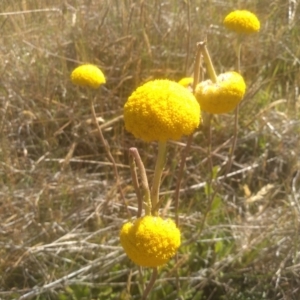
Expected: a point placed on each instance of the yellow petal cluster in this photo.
(161, 110)
(222, 96)
(150, 241)
(88, 75)
(186, 81)
(242, 21)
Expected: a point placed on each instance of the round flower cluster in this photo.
(186, 81)
(150, 241)
(222, 96)
(88, 75)
(161, 110)
(242, 21)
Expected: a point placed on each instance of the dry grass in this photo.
(59, 204)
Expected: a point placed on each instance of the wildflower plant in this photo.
(223, 95)
(161, 110)
(88, 75)
(158, 111)
(242, 21)
(150, 241)
(68, 233)
(91, 77)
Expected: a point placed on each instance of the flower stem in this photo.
(159, 167)
(197, 66)
(197, 77)
(208, 61)
(150, 284)
(234, 139)
(238, 53)
(236, 113)
(108, 153)
(209, 155)
(184, 154)
(145, 186)
(135, 183)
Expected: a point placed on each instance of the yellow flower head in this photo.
(88, 75)
(150, 241)
(242, 21)
(186, 81)
(161, 110)
(222, 96)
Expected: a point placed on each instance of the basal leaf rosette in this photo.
(222, 96)
(88, 75)
(242, 21)
(161, 110)
(150, 241)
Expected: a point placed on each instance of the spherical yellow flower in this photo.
(186, 81)
(242, 21)
(161, 110)
(222, 96)
(88, 75)
(150, 241)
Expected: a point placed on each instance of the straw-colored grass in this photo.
(60, 206)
